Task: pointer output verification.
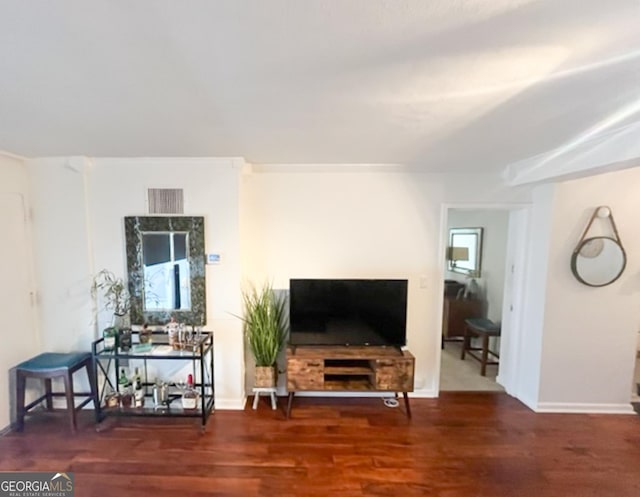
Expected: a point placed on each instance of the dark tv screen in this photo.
(348, 312)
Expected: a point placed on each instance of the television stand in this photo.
(349, 369)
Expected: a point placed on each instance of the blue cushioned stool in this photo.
(51, 365)
(482, 328)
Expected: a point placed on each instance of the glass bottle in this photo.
(138, 392)
(124, 339)
(111, 398)
(124, 390)
(110, 335)
(123, 382)
(190, 395)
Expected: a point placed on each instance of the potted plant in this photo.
(115, 298)
(265, 329)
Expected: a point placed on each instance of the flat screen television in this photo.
(348, 312)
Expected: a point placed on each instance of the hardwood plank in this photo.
(460, 445)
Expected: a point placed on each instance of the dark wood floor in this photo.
(463, 444)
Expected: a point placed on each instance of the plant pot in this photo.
(122, 321)
(266, 377)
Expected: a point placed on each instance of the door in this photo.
(18, 334)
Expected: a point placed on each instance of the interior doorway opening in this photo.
(482, 281)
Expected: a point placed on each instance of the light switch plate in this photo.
(214, 258)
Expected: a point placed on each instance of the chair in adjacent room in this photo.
(484, 329)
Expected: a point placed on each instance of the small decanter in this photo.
(173, 330)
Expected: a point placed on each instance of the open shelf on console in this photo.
(347, 382)
(347, 367)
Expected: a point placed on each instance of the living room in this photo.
(279, 225)
(284, 197)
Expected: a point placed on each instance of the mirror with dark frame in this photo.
(166, 269)
(467, 242)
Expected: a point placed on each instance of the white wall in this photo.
(589, 342)
(578, 343)
(80, 206)
(494, 246)
(308, 223)
(19, 334)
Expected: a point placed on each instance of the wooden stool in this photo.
(51, 365)
(270, 390)
(482, 328)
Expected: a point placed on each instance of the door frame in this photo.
(514, 299)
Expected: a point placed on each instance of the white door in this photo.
(514, 285)
(17, 331)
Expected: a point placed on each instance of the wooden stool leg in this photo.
(68, 388)
(47, 389)
(93, 385)
(465, 343)
(485, 354)
(21, 381)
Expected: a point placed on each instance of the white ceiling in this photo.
(448, 85)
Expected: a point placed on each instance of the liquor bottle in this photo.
(138, 391)
(110, 335)
(123, 382)
(124, 339)
(190, 395)
(124, 390)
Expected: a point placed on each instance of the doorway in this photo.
(490, 290)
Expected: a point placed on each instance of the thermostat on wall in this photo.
(214, 258)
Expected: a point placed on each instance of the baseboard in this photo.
(4, 431)
(233, 404)
(579, 408)
(529, 402)
(429, 393)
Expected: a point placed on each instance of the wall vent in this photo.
(166, 200)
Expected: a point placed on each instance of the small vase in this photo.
(122, 321)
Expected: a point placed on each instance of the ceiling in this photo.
(447, 85)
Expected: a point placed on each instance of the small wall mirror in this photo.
(464, 254)
(166, 269)
(599, 260)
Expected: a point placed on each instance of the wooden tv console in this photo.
(349, 369)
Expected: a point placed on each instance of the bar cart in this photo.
(197, 354)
